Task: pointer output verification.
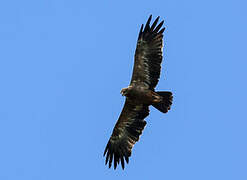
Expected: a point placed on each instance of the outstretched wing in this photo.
(126, 133)
(148, 55)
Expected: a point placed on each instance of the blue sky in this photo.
(63, 64)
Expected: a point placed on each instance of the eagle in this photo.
(140, 94)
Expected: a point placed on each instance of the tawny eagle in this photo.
(140, 94)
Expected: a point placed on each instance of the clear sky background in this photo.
(63, 64)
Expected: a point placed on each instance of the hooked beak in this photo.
(122, 92)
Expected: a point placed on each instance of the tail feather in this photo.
(166, 102)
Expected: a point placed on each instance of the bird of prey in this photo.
(140, 94)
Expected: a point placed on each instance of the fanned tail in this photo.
(166, 102)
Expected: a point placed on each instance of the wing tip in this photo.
(106, 148)
(140, 33)
(162, 30)
(152, 31)
(147, 26)
(116, 155)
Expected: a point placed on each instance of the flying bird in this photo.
(140, 94)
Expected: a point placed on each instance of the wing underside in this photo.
(126, 133)
(148, 54)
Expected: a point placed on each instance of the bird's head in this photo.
(125, 91)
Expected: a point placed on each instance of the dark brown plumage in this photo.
(140, 94)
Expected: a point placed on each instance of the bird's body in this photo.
(140, 94)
